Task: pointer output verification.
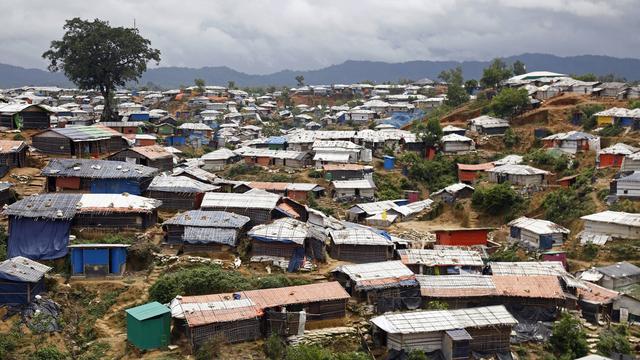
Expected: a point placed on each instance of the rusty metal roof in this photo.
(260, 300)
(539, 287)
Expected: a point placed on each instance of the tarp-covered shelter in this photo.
(13, 153)
(446, 261)
(98, 260)
(178, 192)
(359, 244)
(204, 229)
(260, 206)
(21, 280)
(390, 285)
(97, 176)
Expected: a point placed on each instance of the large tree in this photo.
(456, 94)
(96, 56)
(493, 75)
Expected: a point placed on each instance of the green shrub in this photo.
(315, 174)
(590, 251)
(274, 347)
(568, 339)
(307, 352)
(507, 254)
(96, 351)
(611, 130)
(564, 205)
(510, 138)
(499, 199)
(48, 353)
(614, 340)
(8, 343)
(211, 349)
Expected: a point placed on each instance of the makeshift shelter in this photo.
(344, 171)
(390, 285)
(626, 186)
(456, 144)
(631, 162)
(218, 159)
(266, 157)
(295, 191)
(613, 223)
(155, 156)
(91, 260)
(238, 317)
(7, 195)
(487, 125)
(462, 236)
(615, 276)
(614, 155)
(572, 142)
(79, 141)
(524, 175)
(21, 280)
(178, 192)
(537, 233)
(97, 176)
(115, 212)
(468, 173)
(260, 206)
(461, 291)
(148, 326)
(286, 238)
(25, 116)
(453, 192)
(200, 230)
(39, 225)
(450, 261)
(124, 127)
(353, 189)
(359, 245)
(13, 153)
(485, 330)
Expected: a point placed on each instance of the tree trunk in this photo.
(107, 113)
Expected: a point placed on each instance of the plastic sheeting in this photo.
(526, 332)
(115, 186)
(38, 239)
(297, 259)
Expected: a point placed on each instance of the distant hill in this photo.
(348, 72)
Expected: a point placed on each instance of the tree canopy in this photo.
(96, 56)
(493, 75)
(568, 339)
(429, 132)
(300, 80)
(519, 68)
(456, 94)
(509, 101)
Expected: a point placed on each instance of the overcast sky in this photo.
(263, 36)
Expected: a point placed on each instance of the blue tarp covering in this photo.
(115, 186)
(400, 119)
(174, 140)
(297, 258)
(38, 239)
(18, 292)
(139, 117)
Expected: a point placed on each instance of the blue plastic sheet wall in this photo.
(38, 239)
(117, 186)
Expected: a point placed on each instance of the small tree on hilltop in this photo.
(493, 75)
(519, 68)
(97, 56)
(300, 80)
(456, 94)
(200, 84)
(509, 102)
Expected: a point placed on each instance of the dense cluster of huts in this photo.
(115, 177)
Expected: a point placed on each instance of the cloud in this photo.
(260, 36)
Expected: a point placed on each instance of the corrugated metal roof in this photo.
(620, 270)
(153, 152)
(619, 149)
(454, 188)
(345, 167)
(276, 154)
(456, 285)
(440, 320)
(538, 226)
(207, 235)
(571, 135)
(253, 199)
(11, 146)
(441, 257)
(220, 154)
(263, 298)
(509, 159)
(179, 184)
(536, 286)
(528, 268)
(378, 274)
(281, 230)
(197, 173)
(97, 169)
(147, 311)
(208, 218)
(476, 167)
(489, 121)
(85, 133)
(358, 236)
(116, 203)
(50, 206)
(516, 169)
(354, 184)
(614, 217)
(455, 138)
(22, 269)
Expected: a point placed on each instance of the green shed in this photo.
(148, 326)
